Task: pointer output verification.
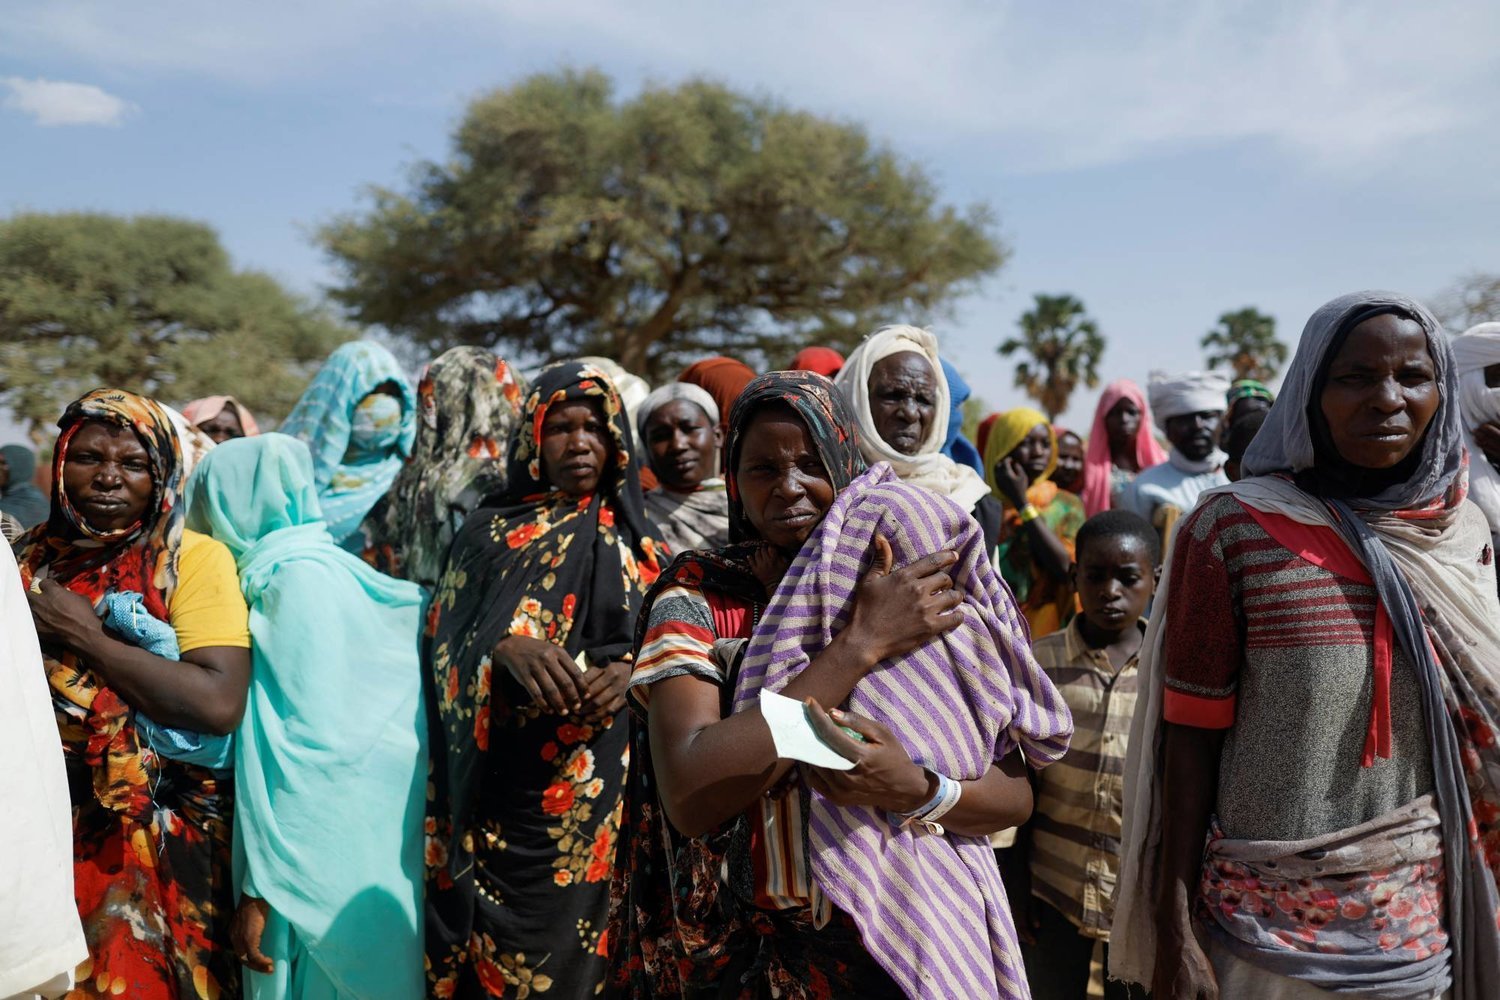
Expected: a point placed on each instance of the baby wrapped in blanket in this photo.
(930, 906)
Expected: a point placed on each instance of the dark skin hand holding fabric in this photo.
(711, 768)
(107, 478)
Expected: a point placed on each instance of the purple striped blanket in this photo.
(930, 907)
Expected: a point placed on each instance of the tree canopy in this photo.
(1063, 347)
(150, 304)
(685, 220)
(1474, 298)
(1246, 341)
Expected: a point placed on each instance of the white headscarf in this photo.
(1474, 350)
(1188, 392)
(674, 392)
(929, 467)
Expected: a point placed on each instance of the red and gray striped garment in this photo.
(930, 907)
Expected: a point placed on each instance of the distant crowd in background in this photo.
(557, 684)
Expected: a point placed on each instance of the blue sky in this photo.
(1166, 162)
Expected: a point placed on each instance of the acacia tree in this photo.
(1246, 341)
(687, 219)
(1062, 346)
(1474, 298)
(149, 304)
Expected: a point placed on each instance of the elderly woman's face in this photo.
(576, 446)
(903, 400)
(681, 443)
(1381, 392)
(781, 480)
(107, 476)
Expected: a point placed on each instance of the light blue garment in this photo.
(124, 613)
(332, 753)
(358, 441)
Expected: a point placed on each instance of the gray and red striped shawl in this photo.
(930, 907)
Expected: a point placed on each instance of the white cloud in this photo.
(1334, 84)
(58, 102)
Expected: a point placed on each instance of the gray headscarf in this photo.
(1286, 440)
(1381, 539)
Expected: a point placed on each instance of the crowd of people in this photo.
(558, 685)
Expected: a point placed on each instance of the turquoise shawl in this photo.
(332, 754)
(354, 461)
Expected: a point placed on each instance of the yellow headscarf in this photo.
(1010, 430)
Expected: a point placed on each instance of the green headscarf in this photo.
(332, 753)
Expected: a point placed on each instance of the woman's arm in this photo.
(1190, 785)
(1047, 549)
(204, 692)
(711, 768)
(885, 777)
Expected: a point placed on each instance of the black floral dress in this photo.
(524, 806)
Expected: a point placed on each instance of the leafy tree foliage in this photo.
(1474, 298)
(1245, 341)
(1062, 348)
(150, 304)
(686, 220)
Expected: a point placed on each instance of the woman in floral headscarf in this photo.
(469, 405)
(151, 834)
(526, 645)
(359, 419)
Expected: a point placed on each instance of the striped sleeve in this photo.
(679, 641)
(1203, 648)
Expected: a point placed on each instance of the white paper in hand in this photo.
(793, 733)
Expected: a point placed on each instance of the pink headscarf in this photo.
(1097, 462)
(209, 407)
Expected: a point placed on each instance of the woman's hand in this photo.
(883, 775)
(547, 673)
(769, 565)
(606, 690)
(246, 930)
(1012, 480)
(896, 612)
(1487, 436)
(60, 614)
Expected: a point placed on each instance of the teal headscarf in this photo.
(332, 753)
(358, 436)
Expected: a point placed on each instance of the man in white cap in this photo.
(1188, 408)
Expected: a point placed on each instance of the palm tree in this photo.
(1064, 347)
(1246, 341)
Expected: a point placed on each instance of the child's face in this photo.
(1115, 580)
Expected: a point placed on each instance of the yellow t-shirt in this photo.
(207, 608)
